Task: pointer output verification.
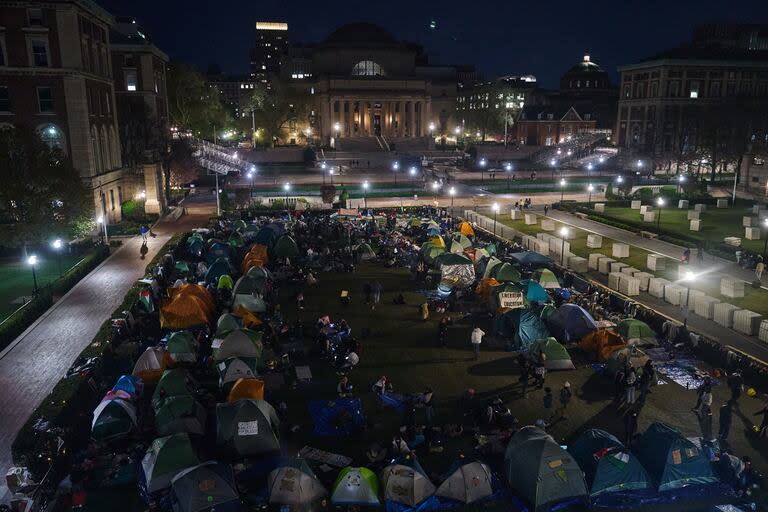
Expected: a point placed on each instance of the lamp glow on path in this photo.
(452, 192)
(563, 234)
(495, 208)
(590, 189)
(32, 262)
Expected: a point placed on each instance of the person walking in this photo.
(630, 382)
(376, 289)
(630, 426)
(763, 428)
(540, 371)
(725, 420)
(704, 388)
(442, 331)
(736, 385)
(429, 409)
(759, 268)
(565, 399)
(548, 401)
(424, 311)
(476, 339)
(144, 231)
(546, 209)
(647, 378)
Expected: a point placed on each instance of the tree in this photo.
(42, 196)
(183, 167)
(193, 104)
(276, 110)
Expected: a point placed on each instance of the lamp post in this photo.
(508, 168)
(563, 235)
(286, 189)
(688, 277)
(57, 245)
(660, 202)
(562, 189)
(412, 171)
(330, 174)
(495, 208)
(680, 181)
(32, 262)
(482, 163)
(251, 174)
(435, 188)
(365, 193)
(337, 129)
(323, 166)
(590, 189)
(765, 246)
(101, 220)
(431, 129)
(396, 168)
(452, 192)
(552, 164)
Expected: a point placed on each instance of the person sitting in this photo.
(344, 388)
(380, 387)
(399, 446)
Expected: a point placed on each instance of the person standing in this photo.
(442, 331)
(546, 209)
(548, 400)
(525, 373)
(736, 385)
(144, 231)
(759, 268)
(725, 420)
(647, 379)
(429, 409)
(540, 371)
(376, 289)
(565, 399)
(424, 310)
(763, 428)
(630, 427)
(630, 382)
(476, 339)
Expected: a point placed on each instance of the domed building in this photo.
(586, 77)
(365, 83)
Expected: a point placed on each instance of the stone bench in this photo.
(620, 250)
(581, 215)
(649, 235)
(656, 262)
(594, 241)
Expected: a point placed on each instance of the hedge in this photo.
(22, 318)
(70, 404)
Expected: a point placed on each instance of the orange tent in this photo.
(249, 319)
(184, 311)
(247, 388)
(466, 229)
(251, 261)
(190, 289)
(484, 287)
(602, 343)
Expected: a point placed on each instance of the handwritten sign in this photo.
(511, 300)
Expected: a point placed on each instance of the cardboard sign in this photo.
(349, 212)
(248, 428)
(511, 300)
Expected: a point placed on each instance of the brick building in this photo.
(549, 125)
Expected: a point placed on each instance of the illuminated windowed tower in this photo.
(269, 52)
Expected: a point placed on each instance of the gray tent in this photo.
(294, 484)
(469, 483)
(253, 303)
(242, 343)
(233, 369)
(209, 486)
(247, 427)
(226, 324)
(405, 485)
(541, 471)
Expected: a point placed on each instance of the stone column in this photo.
(407, 126)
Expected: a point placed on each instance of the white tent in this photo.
(405, 485)
(294, 486)
(469, 483)
(151, 359)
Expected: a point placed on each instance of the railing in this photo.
(216, 158)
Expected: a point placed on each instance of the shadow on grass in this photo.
(501, 366)
(597, 388)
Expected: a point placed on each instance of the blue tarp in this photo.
(570, 322)
(126, 383)
(394, 400)
(521, 327)
(533, 291)
(339, 418)
(530, 258)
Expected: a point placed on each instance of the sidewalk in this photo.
(39, 357)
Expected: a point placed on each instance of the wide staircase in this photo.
(359, 144)
(411, 144)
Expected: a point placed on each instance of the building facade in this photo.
(234, 91)
(269, 52)
(547, 125)
(483, 106)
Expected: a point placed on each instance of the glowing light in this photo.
(435, 185)
(457, 130)
(681, 178)
(601, 159)
(590, 187)
(365, 185)
(287, 187)
(431, 127)
(100, 219)
(337, 126)
(589, 167)
(495, 207)
(412, 171)
(323, 166)
(562, 182)
(396, 166)
(508, 167)
(32, 260)
(660, 201)
(57, 244)
(483, 161)
(552, 162)
(563, 231)
(620, 179)
(688, 276)
(452, 191)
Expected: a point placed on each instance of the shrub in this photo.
(133, 210)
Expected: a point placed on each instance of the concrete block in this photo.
(656, 262)
(629, 286)
(732, 240)
(747, 322)
(752, 233)
(691, 295)
(722, 203)
(732, 288)
(600, 207)
(700, 207)
(594, 241)
(531, 219)
(636, 205)
(704, 306)
(594, 259)
(656, 286)
(620, 250)
(604, 265)
(616, 266)
(644, 278)
(763, 332)
(723, 314)
(649, 217)
(694, 215)
(646, 208)
(674, 294)
(630, 271)
(682, 204)
(516, 214)
(577, 264)
(613, 280)
(558, 246)
(542, 247)
(696, 225)
(748, 222)
(547, 224)
(758, 208)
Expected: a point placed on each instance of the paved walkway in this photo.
(39, 357)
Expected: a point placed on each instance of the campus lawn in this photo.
(16, 279)
(717, 223)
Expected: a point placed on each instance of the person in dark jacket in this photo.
(726, 418)
(630, 426)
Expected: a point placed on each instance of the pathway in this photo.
(39, 357)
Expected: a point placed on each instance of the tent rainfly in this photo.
(247, 427)
(165, 457)
(207, 487)
(471, 482)
(294, 484)
(405, 485)
(355, 487)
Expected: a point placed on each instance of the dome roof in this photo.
(586, 66)
(361, 33)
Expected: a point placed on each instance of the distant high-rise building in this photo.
(269, 51)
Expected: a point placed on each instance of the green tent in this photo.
(492, 263)
(491, 248)
(165, 457)
(113, 419)
(174, 382)
(182, 266)
(226, 324)
(456, 248)
(180, 414)
(546, 278)
(247, 428)
(480, 254)
(355, 487)
(430, 251)
(505, 272)
(493, 297)
(365, 252)
(182, 347)
(462, 240)
(242, 343)
(207, 487)
(286, 247)
(239, 225)
(235, 368)
(225, 281)
(636, 331)
(557, 356)
(448, 258)
(547, 310)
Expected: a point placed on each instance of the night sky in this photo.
(543, 38)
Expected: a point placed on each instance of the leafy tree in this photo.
(193, 104)
(277, 110)
(181, 166)
(42, 196)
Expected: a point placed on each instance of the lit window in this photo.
(39, 49)
(694, 90)
(368, 68)
(130, 80)
(45, 100)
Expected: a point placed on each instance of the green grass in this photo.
(16, 278)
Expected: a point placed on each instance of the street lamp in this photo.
(482, 164)
(660, 202)
(765, 247)
(680, 181)
(57, 245)
(553, 163)
(330, 173)
(32, 262)
(431, 128)
(452, 192)
(688, 277)
(562, 188)
(101, 220)
(563, 235)
(601, 159)
(286, 189)
(508, 168)
(435, 188)
(589, 166)
(365, 193)
(620, 179)
(495, 208)
(590, 189)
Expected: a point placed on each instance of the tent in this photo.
(183, 312)
(546, 278)
(225, 282)
(129, 384)
(521, 327)
(459, 275)
(493, 261)
(239, 225)
(462, 239)
(174, 382)
(530, 259)
(618, 359)
(450, 258)
(286, 247)
(232, 369)
(226, 324)
(437, 241)
(671, 460)
(355, 486)
(365, 252)
(470, 482)
(113, 419)
(608, 466)
(484, 288)
(465, 228)
(248, 318)
(242, 343)
(430, 251)
(557, 356)
(570, 323)
(541, 471)
(533, 291)
(246, 388)
(505, 273)
(165, 457)
(602, 342)
(494, 300)
(216, 251)
(247, 427)
(294, 484)
(456, 247)
(150, 364)
(182, 347)
(220, 267)
(636, 332)
(199, 291)
(269, 234)
(405, 485)
(207, 487)
(178, 414)
(252, 303)
(546, 311)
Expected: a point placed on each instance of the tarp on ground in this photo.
(470, 482)
(636, 332)
(465, 228)
(112, 420)
(618, 360)
(242, 343)
(209, 486)
(234, 368)
(355, 487)
(150, 365)
(165, 457)
(247, 428)
(557, 357)
(405, 485)
(607, 464)
(671, 460)
(286, 247)
(602, 343)
(294, 484)
(530, 259)
(521, 327)
(178, 414)
(226, 324)
(570, 322)
(340, 417)
(492, 263)
(534, 292)
(173, 382)
(546, 278)
(505, 273)
(246, 388)
(182, 347)
(183, 312)
(541, 471)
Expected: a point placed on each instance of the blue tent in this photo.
(533, 291)
(217, 250)
(570, 322)
(126, 383)
(218, 268)
(521, 327)
(269, 234)
(531, 258)
(339, 418)
(671, 460)
(607, 464)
